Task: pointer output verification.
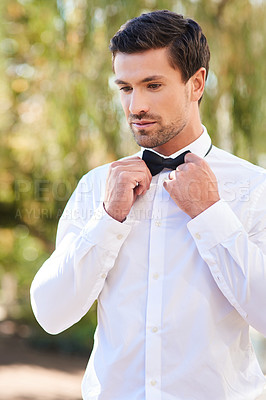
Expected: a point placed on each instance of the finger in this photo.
(193, 158)
(139, 189)
(168, 185)
(172, 175)
(140, 180)
(129, 160)
(132, 164)
(145, 184)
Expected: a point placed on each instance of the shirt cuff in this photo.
(105, 231)
(214, 225)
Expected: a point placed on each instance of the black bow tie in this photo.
(156, 163)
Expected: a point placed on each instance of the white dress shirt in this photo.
(175, 295)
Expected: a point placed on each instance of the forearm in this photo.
(237, 264)
(71, 279)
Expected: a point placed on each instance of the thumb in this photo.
(193, 158)
(166, 184)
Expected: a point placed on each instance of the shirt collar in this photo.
(200, 146)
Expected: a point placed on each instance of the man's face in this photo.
(154, 97)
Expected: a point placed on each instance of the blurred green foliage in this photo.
(60, 114)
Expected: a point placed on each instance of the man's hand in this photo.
(193, 186)
(127, 179)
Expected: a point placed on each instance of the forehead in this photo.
(137, 66)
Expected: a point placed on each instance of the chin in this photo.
(145, 141)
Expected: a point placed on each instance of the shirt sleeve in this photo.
(70, 281)
(236, 256)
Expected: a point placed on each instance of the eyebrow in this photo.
(145, 80)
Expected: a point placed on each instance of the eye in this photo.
(126, 89)
(154, 86)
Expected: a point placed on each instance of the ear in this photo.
(198, 84)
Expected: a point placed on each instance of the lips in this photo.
(142, 124)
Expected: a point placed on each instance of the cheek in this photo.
(169, 106)
(125, 102)
(177, 103)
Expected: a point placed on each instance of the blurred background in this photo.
(60, 117)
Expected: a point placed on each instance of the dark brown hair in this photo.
(188, 47)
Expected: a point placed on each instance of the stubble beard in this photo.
(159, 136)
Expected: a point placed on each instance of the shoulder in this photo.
(232, 168)
(241, 184)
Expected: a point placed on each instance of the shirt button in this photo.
(154, 329)
(158, 223)
(198, 236)
(104, 275)
(155, 276)
(153, 382)
(120, 236)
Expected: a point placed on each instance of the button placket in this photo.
(154, 301)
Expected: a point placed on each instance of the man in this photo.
(174, 254)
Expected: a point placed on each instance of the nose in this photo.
(138, 103)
